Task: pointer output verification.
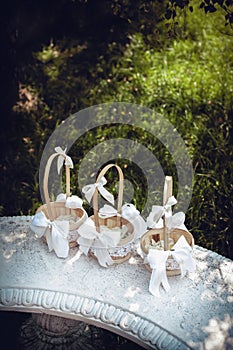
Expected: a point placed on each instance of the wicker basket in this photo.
(122, 252)
(53, 210)
(172, 267)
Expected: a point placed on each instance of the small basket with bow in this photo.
(168, 245)
(108, 235)
(57, 222)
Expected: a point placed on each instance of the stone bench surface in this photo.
(197, 312)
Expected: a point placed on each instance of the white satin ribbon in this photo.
(89, 190)
(63, 158)
(100, 242)
(176, 221)
(128, 212)
(107, 211)
(71, 202)
(157, 261)
(158, 212)
(56, 233)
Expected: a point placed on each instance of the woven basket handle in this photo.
(120, 194)
(45, 183)
(167, 193)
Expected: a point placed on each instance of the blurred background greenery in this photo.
(171, 56)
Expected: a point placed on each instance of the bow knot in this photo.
(100, 242)
(63, 158)
(89, 190)
(157, 260)
(55, 232)
(128, 212)
(176, 221)
(158, 212)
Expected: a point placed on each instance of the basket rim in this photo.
(183, 233)
(44, 208)
(123, 241)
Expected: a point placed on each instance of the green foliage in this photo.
(188, 79)
(209, 7)
(190, 82)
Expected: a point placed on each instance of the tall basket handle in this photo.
(120, 195)
(46, 179)
(167, 193)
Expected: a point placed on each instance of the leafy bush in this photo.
(188, 80)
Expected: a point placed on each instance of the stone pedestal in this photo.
(196, 313)
(48, 332)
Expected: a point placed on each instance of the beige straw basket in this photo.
(146, 240)
(158, 234)
(120, 253)
(53, 210)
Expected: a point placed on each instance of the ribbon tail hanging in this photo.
(106, 194)
(49, 241)
(158, 278)
(88, 191)
(183, 255)
(102, 255)
(59, 241)
(84, 244)
(157, 260)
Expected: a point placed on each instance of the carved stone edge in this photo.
(123, 322)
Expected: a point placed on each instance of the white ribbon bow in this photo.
(100, 242)
(71, 202)
(107, 211)
(56, 233)
(63, 158)
(157, 261)
(128, 212)
(158, 211)
(89, 190)
(176, 221)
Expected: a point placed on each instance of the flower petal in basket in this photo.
(55, 232)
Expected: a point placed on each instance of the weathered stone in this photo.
(196, 313)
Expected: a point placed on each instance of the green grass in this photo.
(188, 78)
